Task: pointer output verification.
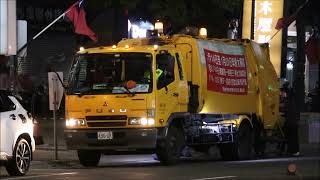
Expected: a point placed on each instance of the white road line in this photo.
(45, 175)
(56, 170)
(284, 159)
(212, 178)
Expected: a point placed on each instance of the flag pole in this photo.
(34, 37)
(47, 27)
(285, 22)
(274, 35)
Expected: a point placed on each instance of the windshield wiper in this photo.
(81, 93)
(127, 89)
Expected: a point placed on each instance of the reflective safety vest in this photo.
(158, 73)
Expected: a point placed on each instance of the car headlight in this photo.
(141, 121)
(75, 122)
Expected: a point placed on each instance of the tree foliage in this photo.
(212, 14)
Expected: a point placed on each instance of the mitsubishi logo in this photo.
(105, 103)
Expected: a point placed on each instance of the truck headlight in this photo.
(141, 121)
(75, 122)
(134, 121)
(144, 121)
(151, 121)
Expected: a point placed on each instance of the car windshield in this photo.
(109, 73)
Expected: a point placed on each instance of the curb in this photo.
(48, 147)
(56, 164)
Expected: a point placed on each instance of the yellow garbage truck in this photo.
(161, 94)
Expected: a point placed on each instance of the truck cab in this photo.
(112, 98)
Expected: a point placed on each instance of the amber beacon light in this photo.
(203, 32)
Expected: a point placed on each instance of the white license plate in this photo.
(105, 135)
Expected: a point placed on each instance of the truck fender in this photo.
(244, 119)
(175, 119)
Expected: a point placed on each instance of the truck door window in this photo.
(165, 70)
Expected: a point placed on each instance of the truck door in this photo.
(167, 80)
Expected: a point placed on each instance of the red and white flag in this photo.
(77, 15)
(286, 21)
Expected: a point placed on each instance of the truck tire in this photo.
(20, 162)
(241, 149)
(259, 143)
(89, 158)
(168, 150)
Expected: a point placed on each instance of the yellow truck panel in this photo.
(261, 87)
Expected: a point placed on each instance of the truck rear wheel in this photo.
(89, 158)
(168, 150)
(241, 149)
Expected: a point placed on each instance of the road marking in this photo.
(212, 178)
(56, 170)
(284, 159)
(44, 175)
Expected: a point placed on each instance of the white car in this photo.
(16, 136)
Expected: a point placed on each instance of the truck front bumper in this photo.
(123, 139)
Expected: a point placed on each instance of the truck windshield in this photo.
(109, 74)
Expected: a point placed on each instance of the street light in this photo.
(289, 66)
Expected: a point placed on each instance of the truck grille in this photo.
(107, 121)
(99, 118)
(106, 124)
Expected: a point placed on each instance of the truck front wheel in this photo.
(241, 149)
(89, 158)
(169, 149)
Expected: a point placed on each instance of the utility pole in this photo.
(253, 7)
(284, 48)
(299, 67)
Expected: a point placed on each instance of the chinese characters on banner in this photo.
(226, 73)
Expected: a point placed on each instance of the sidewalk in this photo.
(45, 159)
(44, 156)
(309, 133)
(46, 131)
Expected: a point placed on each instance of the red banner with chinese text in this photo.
(226, 73)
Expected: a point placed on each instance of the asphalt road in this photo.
(136, 167)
